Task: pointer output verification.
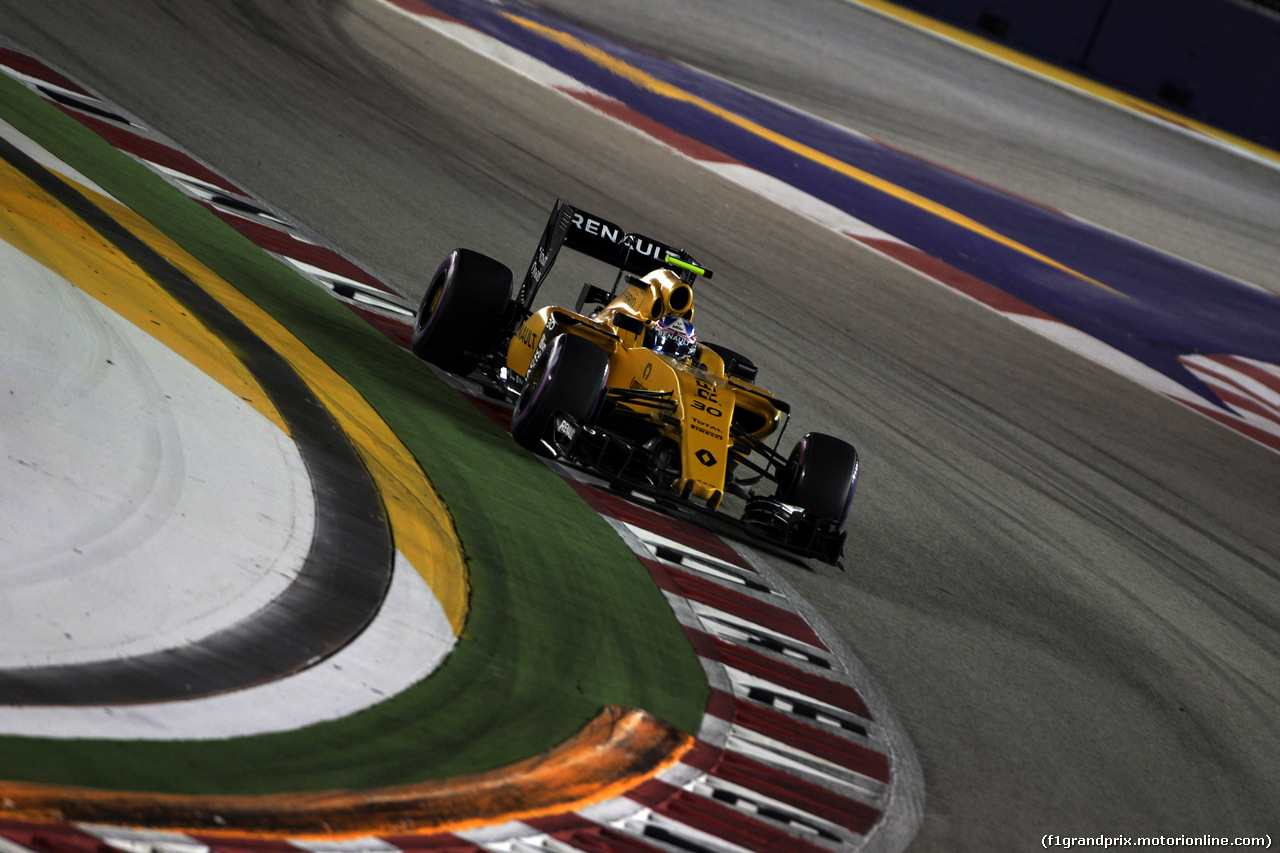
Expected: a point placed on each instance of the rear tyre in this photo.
(569, 376)
(820, 477)
(460, 316)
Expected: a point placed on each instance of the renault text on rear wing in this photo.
(604, 241)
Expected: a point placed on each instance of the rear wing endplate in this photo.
(600, 239)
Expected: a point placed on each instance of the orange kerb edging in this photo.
(614, 752)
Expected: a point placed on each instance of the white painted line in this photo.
(1227, 377)
(521, 63)
(740, 630)
(326, 276)
(744, 681)
(612, 812)
(778, 754)
(809, 821)
(798, 201)
(146, 506)
(383, 305)
(144, 840)
(218, 198)
(204, 191)
(701, 838)
(404, 644)
(1105, 355)
(46, 84)
(497, 836)
(693, 558)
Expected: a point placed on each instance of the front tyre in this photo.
(820, 477)
(460, 317)
(568, 376)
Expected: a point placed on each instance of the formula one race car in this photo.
(627, 391)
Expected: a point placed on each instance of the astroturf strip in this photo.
(563, 621)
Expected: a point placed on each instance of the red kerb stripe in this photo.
(814, 741)
(52, 838)
(734, 826)
(1253, 371)
(678, 531)
(756, 776)
(399, 331)
(418, 7)
(747, 608)
(32, 67)
(1259, 435)
(1242, 402)
(155, 152)
(607, 840)
(283, 243)
(831, 692)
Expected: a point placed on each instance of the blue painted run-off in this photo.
(1169, 307)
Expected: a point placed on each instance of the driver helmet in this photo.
(673, 336)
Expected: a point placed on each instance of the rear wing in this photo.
(600, 239)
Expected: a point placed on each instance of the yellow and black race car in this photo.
(627, 391)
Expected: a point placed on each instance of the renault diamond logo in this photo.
(705, 457)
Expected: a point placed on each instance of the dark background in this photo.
(1214, 60)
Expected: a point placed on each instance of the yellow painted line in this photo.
(1053, 72)
(44, 230)
(39, 226)
(661, 87)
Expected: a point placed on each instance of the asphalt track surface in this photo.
(1065, 584)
